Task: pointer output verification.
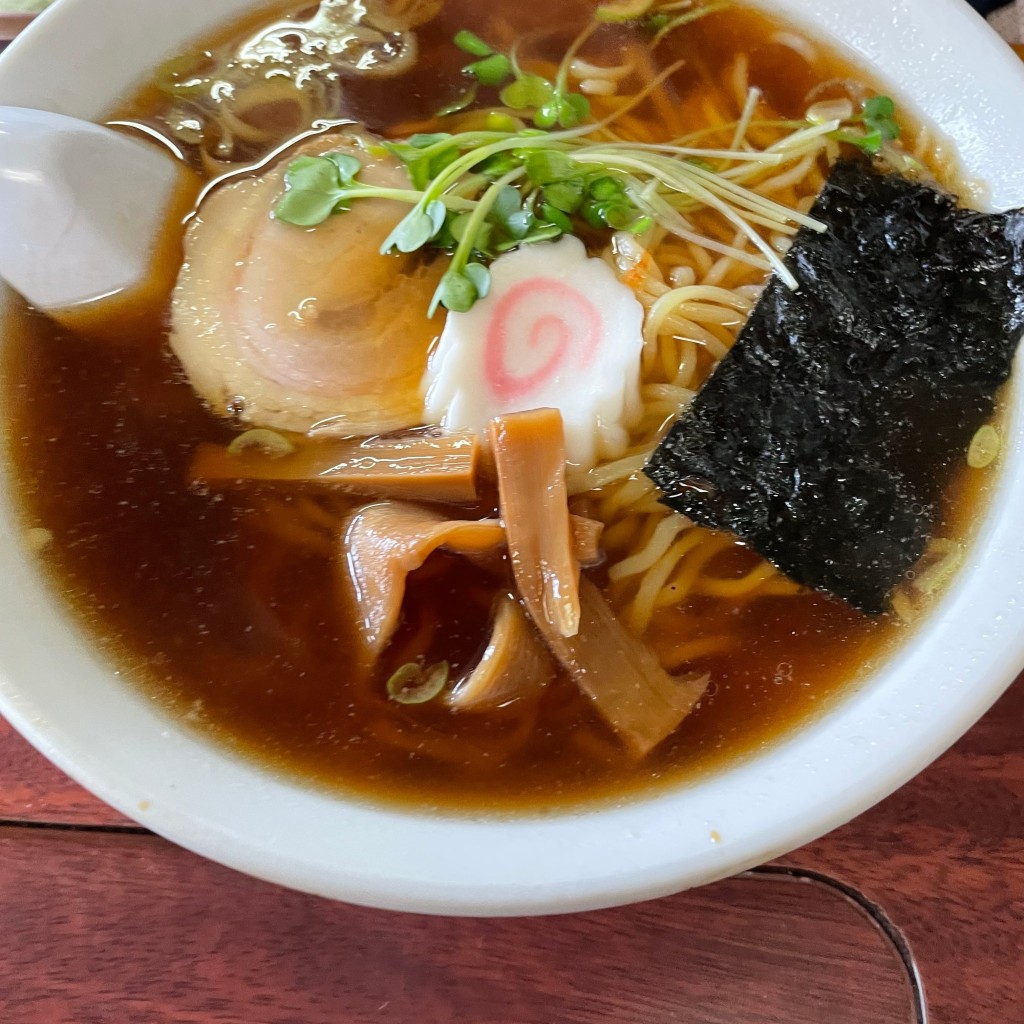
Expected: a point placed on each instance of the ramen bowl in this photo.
(60, 692)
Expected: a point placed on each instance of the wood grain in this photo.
(945, 857)
(126, 928)
(32, 790)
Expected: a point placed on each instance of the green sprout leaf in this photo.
(492, 70)
(444, 239)
(553, 215)
(542, 233)
(547, 115)
(348, 165)
(507, 203)
(437, 212)
(472, 44)
(565, 196)
(593, 213)
(871, 142)
(499, 165)
(441, 160)
(305, 208)
(480, 276)
(412, 232)
(573, 110)
(550, 103)
(878, 116)
(460, 225)
(619, 215)
(606, 188)
(316, 188)
(527, 93)
(519, 224)
(483, 240)
(456, 292)
(312, 174)
(403, 151)
(546, 166)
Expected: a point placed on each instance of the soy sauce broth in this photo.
(239, 634)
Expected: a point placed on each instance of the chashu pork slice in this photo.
(286, 327)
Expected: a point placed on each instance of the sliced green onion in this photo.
(460, 103)
(38, 539)
(269, 442)
(414, 684)
(984, 447)
(947, 556)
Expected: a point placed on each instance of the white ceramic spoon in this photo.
(82, 207)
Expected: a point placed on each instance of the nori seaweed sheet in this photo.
(828, 434)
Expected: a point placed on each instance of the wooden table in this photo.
(102, 923)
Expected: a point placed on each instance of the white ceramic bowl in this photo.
(933, 54)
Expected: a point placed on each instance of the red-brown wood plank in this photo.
(945, 857)
(11, 25)
(110, 928)
(31, 789)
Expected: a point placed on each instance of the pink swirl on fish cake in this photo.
(573, 322)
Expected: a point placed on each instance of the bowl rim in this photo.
(875, 738)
